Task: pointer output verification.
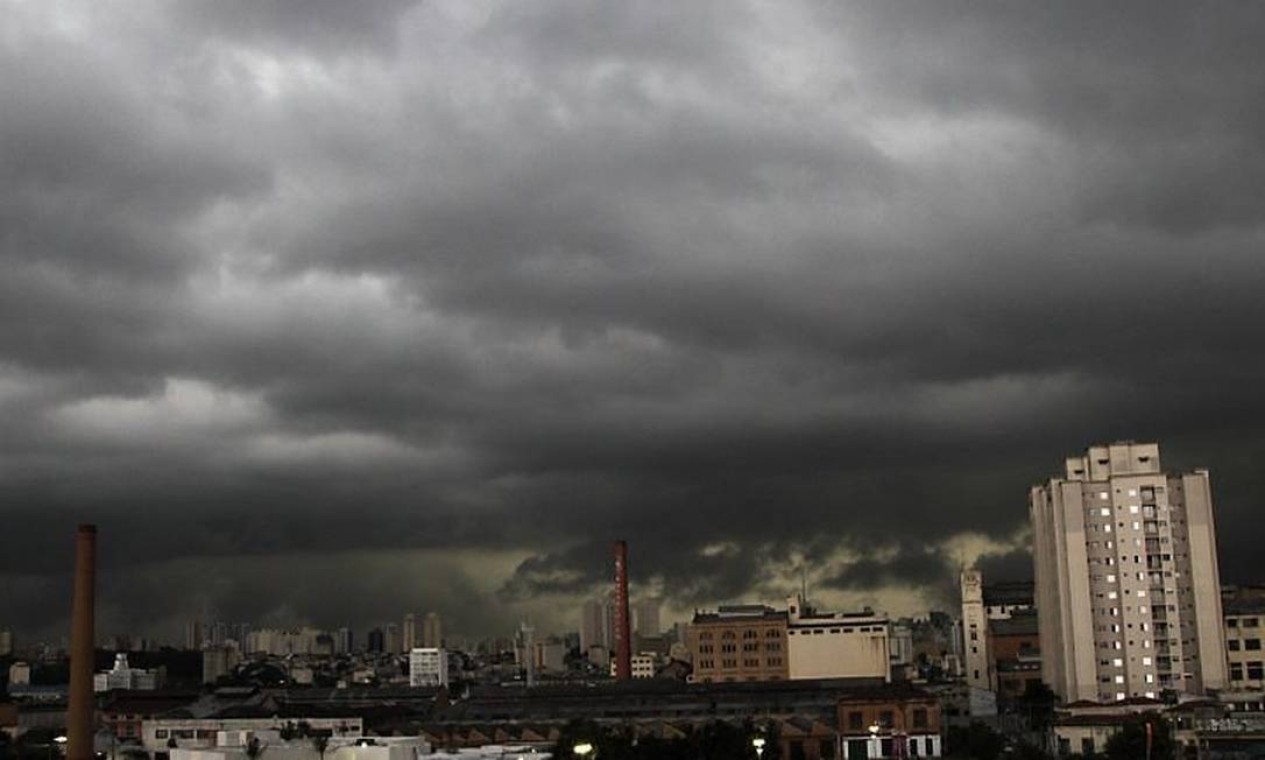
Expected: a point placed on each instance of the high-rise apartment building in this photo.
(408, 633)
(1127, 586)
(432, 631)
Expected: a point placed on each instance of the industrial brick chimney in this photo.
(623, 626)
(81, 717)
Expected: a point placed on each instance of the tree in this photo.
(977, 741)
(1130, 743)
(1037, 705)
(320, 742)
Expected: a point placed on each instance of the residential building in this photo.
(6, 643)
(744, 642)
(836, 644)
(1127, 585)
(408, 633)
(1244, 608)
(646, 617)
(428, 666)
(432, 631)
(597, 626)
(220, 661)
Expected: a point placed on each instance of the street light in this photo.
(583, 749)
(758, 743)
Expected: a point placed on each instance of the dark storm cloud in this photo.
(800, 291)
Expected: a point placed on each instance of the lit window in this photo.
(1105, 511)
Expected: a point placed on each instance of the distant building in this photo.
(1244, 608)
(218, 662)
(1127, 584)
(376, 640)
(408, 633)
(123, 676)
(975, 631)
(428, 666)
(6, 643)
(193, 637)
(20, 674)
(391, 640)
(1014, 654)
(738, 643)
(836, 644)
(597, 624)
(432, 631)
(646, 617)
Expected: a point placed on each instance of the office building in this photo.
(427, 666)
(1127, 585)
(646, 618)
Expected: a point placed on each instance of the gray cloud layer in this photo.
(751, 285)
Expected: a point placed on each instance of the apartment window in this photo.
(1232, 623)
(885, 718)
(1233, 645)
(1236, 671)
(856, 721)
(1105, 511)
(1252, 645)
(1133, 508)
(1251, 622)
(920, 717)
(1254, 671)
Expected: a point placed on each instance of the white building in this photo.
(20, 674)
(233, 734)
(428, 666)
(1127, 585)
(123, 676)
(836, 645)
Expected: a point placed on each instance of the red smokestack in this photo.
(81, 717)
(623, 627)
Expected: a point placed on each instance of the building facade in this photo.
(428, 666)
(1127, 585)
(744, 642)
(836, 644)
(974, 630)
(1244, 608)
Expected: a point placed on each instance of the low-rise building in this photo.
(738, 643)
(123, 676)
(836, 644)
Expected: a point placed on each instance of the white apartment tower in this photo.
(1127, 587)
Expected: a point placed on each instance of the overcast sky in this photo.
(329, 311)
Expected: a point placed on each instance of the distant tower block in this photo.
(80, 717)
(623, 627)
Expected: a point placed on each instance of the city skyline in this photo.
(335, 314)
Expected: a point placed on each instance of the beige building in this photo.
(1127, 585)
(836, 644)
(1244, 614)
(738, 643)
(975, 631)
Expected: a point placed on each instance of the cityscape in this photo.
(789, 380)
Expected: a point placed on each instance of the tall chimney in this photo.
(623, 626)
(81, 718)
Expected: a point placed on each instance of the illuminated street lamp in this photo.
(583, 749)
(758, 743)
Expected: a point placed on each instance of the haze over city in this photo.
(325, 312)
